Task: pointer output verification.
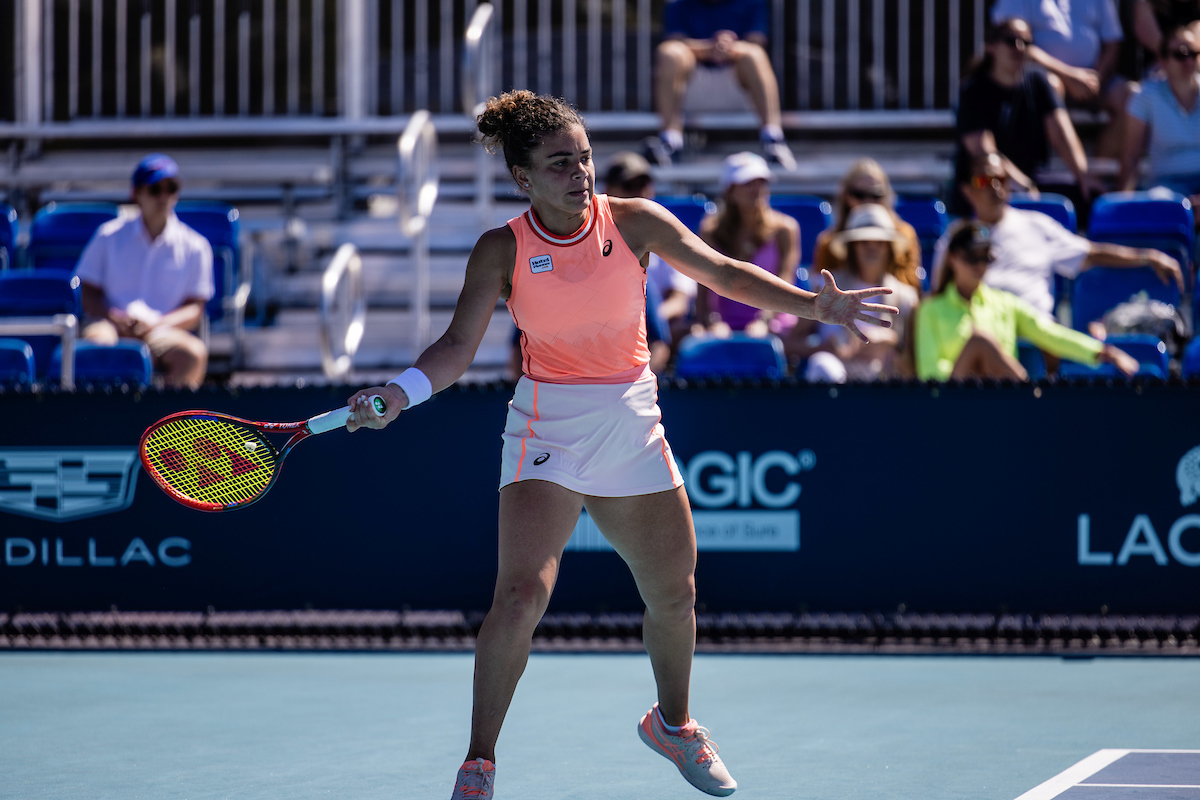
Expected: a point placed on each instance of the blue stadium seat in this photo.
(1191, 359)
(1055, 206)
(16, 363)
(1158, 218)
(60, 231)
(690, 209)
(1098, 289)
(8, 236)
(1149, 351)
(1031, 359)
(217, 222)
(739, 356)
(814, 214)
(39, 293)
(929, 219)
(128, 361)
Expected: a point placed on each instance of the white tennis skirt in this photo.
(602, 440)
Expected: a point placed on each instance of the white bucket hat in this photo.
(742, 168)
(867, 223)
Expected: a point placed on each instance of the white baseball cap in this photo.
(866, 223)
(742, 168)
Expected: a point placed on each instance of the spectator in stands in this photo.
(1005, 108)
(867, 253)
(1165, 119)
(747, 228)
(627, 174)
(1028, 247)
(1152, 17)
(148, 277)
(969, 329)
(867, 183)
(710, 36)
(1078, 43)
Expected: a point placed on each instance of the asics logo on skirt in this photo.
(542, 459)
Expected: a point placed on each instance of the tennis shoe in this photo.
(691, 751)
(776, 151)
(475, 780)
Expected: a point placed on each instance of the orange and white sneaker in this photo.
(691, 751)
(475, 780)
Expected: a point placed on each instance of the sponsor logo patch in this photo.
(607, 248)
(540, 264)
(65, 483)
(542, 459)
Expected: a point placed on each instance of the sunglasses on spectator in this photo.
(1012, 40)
(866, 194)
(168, 187)
(1184, 53)
(986, 181)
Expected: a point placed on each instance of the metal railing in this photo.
(122, 59)
(64, 326)
(343, 312)
(416, 194)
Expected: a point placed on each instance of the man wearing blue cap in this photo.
(148, 277)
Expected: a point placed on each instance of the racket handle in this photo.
(332, 420)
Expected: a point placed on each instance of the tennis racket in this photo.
(215, 462)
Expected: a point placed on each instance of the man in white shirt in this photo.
(1028, 247)
(148, 277)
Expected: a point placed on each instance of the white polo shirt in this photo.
(161, 273)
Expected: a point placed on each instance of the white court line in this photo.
(1142, 785)
(1088, 767)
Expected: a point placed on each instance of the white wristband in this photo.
(415, 384)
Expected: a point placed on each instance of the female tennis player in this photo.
(583, 427)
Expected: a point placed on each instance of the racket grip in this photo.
(332, 420)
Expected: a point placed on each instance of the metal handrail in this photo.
(417, 173)
(347, 263)
(475, 85)
(416, 194)
(65, 326)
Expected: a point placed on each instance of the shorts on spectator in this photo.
(160, 340)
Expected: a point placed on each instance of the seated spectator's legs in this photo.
(754, 73)
(675, 65)
(983, 357)
(101, 332)
(181, 354)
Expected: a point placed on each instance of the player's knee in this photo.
(521, 601)
(675, 600)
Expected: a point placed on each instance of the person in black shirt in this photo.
(1005, 108)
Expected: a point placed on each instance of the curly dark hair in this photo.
(517, 122)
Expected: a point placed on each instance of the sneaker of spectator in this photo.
(776, 151)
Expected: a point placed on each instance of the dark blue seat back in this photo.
(128, 361)
(218, 223)
(8, 236)
(1158, 218)
(16, 363)
(814, 214)
(689, 209)
(738, 356)
(60, 231)
(1150, 352)
(929, 219)
(1191, 359)
(1031, 359)
(36, 293)
(1055, 206)
(1100, 288)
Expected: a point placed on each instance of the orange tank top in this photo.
(579, 301)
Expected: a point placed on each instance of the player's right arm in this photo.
(489, 272)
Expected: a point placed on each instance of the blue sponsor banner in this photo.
(1070, 498)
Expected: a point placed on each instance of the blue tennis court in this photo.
(188, 725)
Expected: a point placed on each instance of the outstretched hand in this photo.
(836, 307)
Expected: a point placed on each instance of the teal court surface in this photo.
(286, 725)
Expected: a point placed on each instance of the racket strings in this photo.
(211, 461)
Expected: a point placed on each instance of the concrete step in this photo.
(293, 342)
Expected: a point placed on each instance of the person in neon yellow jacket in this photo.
(970, 330)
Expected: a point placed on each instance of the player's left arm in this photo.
(647, 226)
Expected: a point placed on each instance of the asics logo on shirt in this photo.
(542, 459)
(607, 248)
